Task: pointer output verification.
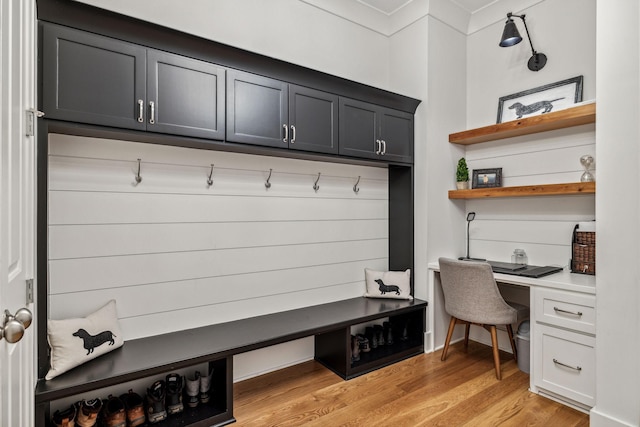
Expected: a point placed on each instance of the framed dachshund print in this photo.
(544, 99)
(486, 178)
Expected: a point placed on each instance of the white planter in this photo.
(462, 185)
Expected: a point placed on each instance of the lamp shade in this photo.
(510, 35)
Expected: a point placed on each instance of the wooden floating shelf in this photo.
(569, 117)
(526, 191)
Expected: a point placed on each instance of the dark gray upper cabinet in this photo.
(313, 120)
(185, 96)
(99, 80)
(273, 113)
(92, 79)
(375, 132)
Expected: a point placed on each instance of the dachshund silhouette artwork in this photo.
(387, 288)
(523, 110)
(93, 341)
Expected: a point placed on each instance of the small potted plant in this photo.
(462, 175)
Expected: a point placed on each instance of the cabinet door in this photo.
(92, 79)
(313, 120)
(257, 109)
(186, 96)
(396, 134)
(359, 129)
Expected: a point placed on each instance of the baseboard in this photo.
(598, 419)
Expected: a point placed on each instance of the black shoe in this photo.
(174, 394)
(388, 332)
(363, 342)
(370, 333)
(379, 333)
(355, 349)
(155, 402)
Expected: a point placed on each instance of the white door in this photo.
(17, 205)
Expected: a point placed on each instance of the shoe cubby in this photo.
(217, 411)
(335, 348)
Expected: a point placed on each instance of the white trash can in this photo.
(522, 344)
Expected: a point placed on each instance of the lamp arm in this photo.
(533, 51)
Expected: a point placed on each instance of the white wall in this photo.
(618, 250)
(540, 226)
(289, 30)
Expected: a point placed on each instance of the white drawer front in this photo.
(565, 363)
(566, 309)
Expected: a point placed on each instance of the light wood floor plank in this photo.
(421, 391)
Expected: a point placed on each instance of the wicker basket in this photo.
(583, 258)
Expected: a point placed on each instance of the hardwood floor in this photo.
(421, 391)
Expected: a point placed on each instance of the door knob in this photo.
(13, 327)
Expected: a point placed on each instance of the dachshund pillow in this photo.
(388, 284)
(76, 341)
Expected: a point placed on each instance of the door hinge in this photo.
(30, 298)
(32, 114)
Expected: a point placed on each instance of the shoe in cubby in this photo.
(173, 399)
(113, 413)
(156, 411)
(134, 407)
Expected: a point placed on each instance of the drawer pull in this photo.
(573, 313)
(575, 368)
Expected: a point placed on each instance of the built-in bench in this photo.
(330, 323)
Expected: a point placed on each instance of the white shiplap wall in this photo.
(178, 254)
(542, 226)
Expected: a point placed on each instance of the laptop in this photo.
(505, 267)
(535, 271)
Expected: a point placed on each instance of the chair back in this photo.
(471, 293)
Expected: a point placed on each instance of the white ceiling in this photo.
(389, 7)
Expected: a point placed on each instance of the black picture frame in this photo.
(487, 178)
(554, 96)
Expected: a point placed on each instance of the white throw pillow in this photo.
(76, 341)
(388, 284)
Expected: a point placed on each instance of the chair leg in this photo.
(452, 325)
(513, 342)
(496, 351)
(466, 336)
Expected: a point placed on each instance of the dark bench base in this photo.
(216, 344)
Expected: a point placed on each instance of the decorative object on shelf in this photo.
(76, 341)
(583, 248)
(554, 96)
(462, 175)
(519, 256)
(487, 178)
(586, 161)
(388, 284)
(511, 37)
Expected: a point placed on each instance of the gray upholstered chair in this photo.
(471, 296)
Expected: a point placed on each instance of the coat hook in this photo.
(316, 187)
(138, 177)
(267, 183)
(355, 187)
(210, 179)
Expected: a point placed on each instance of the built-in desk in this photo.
(562, 338)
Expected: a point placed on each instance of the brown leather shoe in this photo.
(66, 418)
(88, 411)
(113, 413)
(134, 407)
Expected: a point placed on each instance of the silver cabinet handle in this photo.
(293, 134)
(152, 118)
(141, 111)
(286, 133)
(379, 146)
(575, 368)
(573, 313)
(384, 147)
(13, 327)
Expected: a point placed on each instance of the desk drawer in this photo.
(564, 363)
(566, 309)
